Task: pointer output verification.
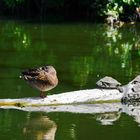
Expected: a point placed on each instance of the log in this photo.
(129, 93)
(74, 97)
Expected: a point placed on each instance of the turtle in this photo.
(108, 83)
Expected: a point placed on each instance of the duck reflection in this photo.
(41, 128)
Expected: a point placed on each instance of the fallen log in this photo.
(74, 97)
(125, 93)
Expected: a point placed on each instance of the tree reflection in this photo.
(16, 32)
(84, 52)
(81, 68)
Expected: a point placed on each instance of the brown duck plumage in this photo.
(43, 78)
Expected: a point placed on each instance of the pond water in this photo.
(82, 54)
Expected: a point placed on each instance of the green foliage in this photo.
(130, 2)
(121, 8)
(113, 9)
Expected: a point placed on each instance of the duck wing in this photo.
(30, 73)
(47, 78)
(38, 76)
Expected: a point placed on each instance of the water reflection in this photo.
(105, 113)
(11, 31)
(40, 128)
(89, 51)
(133, 110)
(108, 118)
(122, 46)
(81, 53)
(72, 121)
(81, 68)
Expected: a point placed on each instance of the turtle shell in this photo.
(108, 82)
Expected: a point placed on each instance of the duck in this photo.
(42, 78)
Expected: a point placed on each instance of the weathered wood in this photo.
(74, 97)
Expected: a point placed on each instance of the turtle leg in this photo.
(42, 95)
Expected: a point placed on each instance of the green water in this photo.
(81, 54)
